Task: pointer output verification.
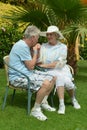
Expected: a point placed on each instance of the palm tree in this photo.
(72, 17)
(69, 15)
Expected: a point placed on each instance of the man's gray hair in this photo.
(31, 31)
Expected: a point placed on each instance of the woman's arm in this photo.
(50, 65)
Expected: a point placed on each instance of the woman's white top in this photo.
(51, 53)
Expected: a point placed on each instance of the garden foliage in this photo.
(8, 36)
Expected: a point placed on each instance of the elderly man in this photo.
(21, 58)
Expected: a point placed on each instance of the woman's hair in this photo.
(31, 31)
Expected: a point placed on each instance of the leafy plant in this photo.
(8, 36)
(70, 16)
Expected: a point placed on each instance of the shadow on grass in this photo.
(20, 100)
(81, 78)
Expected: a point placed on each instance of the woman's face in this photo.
(52, 38)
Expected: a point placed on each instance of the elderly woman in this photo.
(53, 55)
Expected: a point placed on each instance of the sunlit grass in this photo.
(14, 117)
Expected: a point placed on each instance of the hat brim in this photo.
(43, 34)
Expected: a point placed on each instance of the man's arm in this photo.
(30, 64)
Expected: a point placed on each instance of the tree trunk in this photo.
(77, 48)
(71, 58)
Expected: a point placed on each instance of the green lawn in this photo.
(15, 117)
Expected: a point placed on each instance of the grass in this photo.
(14, 117)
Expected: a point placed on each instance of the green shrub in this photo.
(83, 49)
(8, 36)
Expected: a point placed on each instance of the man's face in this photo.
(35, 40)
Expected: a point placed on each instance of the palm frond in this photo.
(82, 31)
(67, 10)
(35, 16)
(15, 14)
(72, 31)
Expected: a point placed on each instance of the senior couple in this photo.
(26, 53)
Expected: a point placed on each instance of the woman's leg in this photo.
(75, 103)
(70, 87)
(60, 92)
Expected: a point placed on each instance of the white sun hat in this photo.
(52, 29)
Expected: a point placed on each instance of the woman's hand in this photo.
(42, 65)
(37, 47)
(36, 50)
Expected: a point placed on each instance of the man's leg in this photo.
(42, 92)
(44, 103)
